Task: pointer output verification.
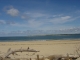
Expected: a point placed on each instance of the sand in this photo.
(46, 48)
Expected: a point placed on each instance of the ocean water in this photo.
(41, 37)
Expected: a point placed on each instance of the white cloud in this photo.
(13, 12)
(70, 30)
(40, 19)
(62, 19)
(46, 18)
(36, 20)
(11, 23)
(2, 22)
(19, 25)
(57, 15)
(38, 15)
(54, 15)
(78, 11)
(34, 15)
(8, 23)
(74, 18)
(3, 33)
(25, 17)
(33, 23)
(65, 17)
(40, 32)
(30, 24)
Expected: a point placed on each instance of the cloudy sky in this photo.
(29, 17)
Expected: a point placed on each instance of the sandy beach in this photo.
(46, 48)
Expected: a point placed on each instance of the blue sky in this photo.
(31, 17)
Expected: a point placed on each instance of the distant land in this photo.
(41, 35)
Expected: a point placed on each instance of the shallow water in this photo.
(41, 37)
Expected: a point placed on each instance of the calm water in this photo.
(43, 37)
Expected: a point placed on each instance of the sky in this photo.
(32, 17)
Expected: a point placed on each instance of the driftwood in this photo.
(37, 57)
(18, 50)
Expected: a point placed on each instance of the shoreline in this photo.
(43, 40)
(48, 42)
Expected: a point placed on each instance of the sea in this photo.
(41, 37)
